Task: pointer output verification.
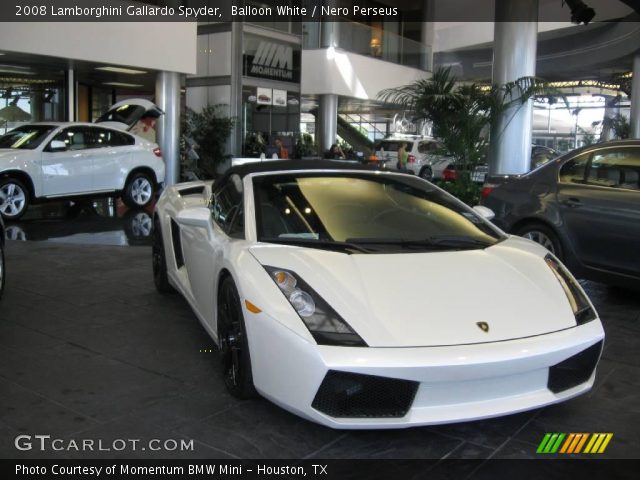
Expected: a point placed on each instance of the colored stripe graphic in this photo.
(550, 443)
(573, 443)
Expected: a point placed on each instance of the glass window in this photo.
(574, 170)
(227, 208)
(359, 208)
(616, 167)
(541, 155)
(78, 138)
(126, 114)
(394, 145)
(428, 147)
(27, 137)
(112, 138)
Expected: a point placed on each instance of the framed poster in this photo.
(279, 98)
(265, 96)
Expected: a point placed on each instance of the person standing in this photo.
(283, 152)
(403, 156)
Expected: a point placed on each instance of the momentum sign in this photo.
(268, 58)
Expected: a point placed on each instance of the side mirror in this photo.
(57, 146)
(195, 217)
(484, 212)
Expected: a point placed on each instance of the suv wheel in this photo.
(14, 198)
(426, 173)
(139, 191)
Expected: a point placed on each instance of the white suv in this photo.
(56, 160)
(424, 158)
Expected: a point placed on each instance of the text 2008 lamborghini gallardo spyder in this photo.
(367, 299)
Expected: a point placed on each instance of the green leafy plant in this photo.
(210, 129)
(621, 126)
(305, 146)
(461, 114)
(467, 191)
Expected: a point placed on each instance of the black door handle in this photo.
(572, 202)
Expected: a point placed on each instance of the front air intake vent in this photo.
(353, 395)
(574, 370)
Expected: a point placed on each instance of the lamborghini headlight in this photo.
(323, 322)
(580, 305)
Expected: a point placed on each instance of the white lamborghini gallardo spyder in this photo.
(366, 299)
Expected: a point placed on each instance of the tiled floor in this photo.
(88, 350)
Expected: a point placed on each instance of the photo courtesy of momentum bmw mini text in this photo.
(322, 239)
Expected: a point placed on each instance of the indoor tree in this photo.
(461, 114)
(209, 129)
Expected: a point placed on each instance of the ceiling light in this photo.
(128, 71)
(14, 67)
(122, 84)
(20, 72)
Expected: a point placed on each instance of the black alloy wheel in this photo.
(232, 339)
(3, 272)
(426, 173)
(159, 262)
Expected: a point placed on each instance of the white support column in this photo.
(514, 57)
(168, 126)
(71, 96)
(427, 34)
(328, 120)
(635, 98)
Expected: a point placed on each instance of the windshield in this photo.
(364, 213)
(27, 137)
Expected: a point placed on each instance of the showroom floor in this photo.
(88, 349)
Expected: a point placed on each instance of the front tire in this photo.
(234, 346)
(14, 198)
(543, 235)
(139, 191)
(159, 262)
(3, 271)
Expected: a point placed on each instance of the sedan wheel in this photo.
(13, 199)
(234, 347)
(544, 236)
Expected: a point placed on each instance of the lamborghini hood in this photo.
(434, 298)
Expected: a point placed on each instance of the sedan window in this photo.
(616, 168)
(574, 170)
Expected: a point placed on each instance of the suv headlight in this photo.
(580, 305)
(323, 322)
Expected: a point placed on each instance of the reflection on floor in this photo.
(104, 221)
(89, 350)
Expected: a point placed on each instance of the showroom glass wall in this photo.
(270, 91)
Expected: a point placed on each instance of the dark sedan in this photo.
(584, 207)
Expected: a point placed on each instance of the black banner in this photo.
(322, 469)
(297, 11)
